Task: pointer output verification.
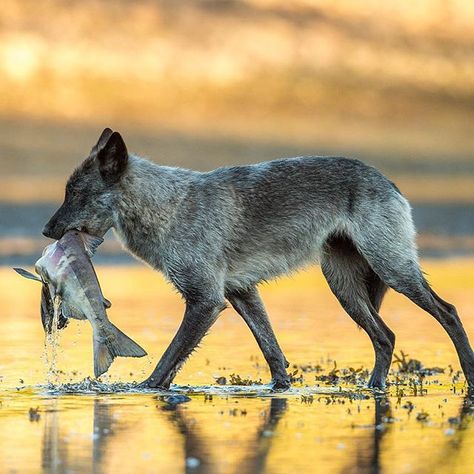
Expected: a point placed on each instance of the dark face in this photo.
(91, 190)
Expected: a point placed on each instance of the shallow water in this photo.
(81, 425)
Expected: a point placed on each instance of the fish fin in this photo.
(91, 242)
(26, 274)
(123, 346)
(113, 345)
(47, 312)
(103, 358)
(70, 311)
(47, 309)
(107, 303)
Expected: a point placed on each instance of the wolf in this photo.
(216, 235)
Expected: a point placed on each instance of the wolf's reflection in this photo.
(368, 456)
(264, 438)
(195, 446)
(367, 459)
(60, 455)
(458, 428)
(196, 457)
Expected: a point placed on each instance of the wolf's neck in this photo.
(149, 201)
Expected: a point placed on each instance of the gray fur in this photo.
(217, 235)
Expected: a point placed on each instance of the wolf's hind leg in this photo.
(360, 293)
(405, 276)
(390, 249)
(250, 306)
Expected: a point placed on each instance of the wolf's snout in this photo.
(52, 229)
(51, 232)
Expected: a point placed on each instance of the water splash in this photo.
(89, 386)
(51, 346)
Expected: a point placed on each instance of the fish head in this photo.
(46, 266)
(92, 190)
(54, 269)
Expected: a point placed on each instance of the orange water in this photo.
(250, 431)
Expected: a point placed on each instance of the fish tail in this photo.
(114, 344)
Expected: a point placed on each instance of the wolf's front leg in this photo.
(198, 318)
(250, 306)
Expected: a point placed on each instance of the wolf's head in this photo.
(92, 189)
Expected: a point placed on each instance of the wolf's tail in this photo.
(110, 344)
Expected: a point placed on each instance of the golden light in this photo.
(21, 57)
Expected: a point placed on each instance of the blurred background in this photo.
(206, 83)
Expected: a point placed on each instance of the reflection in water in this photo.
(54, 450)
(459, 427)
(463, 421)
(104, 428)
(197, 459)
(318, 436)
(63, 452)
(58, 455)
(265, 434)
(383, 416)
(83, 434)
(370, 448)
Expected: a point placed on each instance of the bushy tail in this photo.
(111, 344)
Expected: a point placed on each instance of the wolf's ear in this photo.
(104, 136)
(113, 158)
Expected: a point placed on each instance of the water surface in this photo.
(61, 423)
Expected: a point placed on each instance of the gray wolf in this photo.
(217, 235)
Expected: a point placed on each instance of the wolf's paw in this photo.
(151, 383)
(376, 382)
(280, 385)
